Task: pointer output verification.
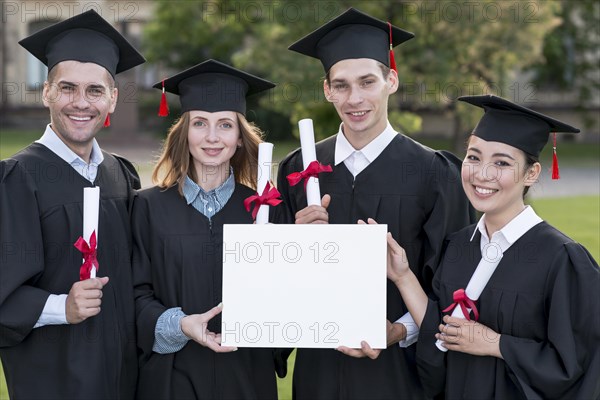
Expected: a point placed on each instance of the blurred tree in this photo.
(467, 48)
(300, 91)
(460, 48)
(184, 33)
(571, 61)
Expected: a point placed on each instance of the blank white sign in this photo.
(304, 286)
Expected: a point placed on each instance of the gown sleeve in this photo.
(132, 178)
(148, 308)
(130, 172)
(22, 260)
(451, 211)
(567, 365)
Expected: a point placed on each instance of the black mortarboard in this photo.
(352, 34)
(515, 125)
(86, 37)
(213, 86)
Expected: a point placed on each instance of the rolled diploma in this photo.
(309, 154)
(476, 284)
(265, 159)
(91, 209)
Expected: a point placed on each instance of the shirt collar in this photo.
(343, 148)
(516, 228)
(191, 190)
(51, 140)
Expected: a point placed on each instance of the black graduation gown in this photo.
(543, 299)
(178, 263)
(41, 199)
(417, 192)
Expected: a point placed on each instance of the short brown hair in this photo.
(385, 71)
(52, 76)
(175, 161)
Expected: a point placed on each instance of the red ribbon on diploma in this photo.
(270, 196)
(89, 256)
(312, 171)
(461, 298)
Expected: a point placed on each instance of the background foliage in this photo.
(460, 48)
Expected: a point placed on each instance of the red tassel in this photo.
(392, 58)
(107, 121)
(555, 170)
(163, 109)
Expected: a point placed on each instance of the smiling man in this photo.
(79, 105)
(377, 173)
(62, 337)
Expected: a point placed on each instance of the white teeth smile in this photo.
(358, 114)
(79, 118)
(484, 191)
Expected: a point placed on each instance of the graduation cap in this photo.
(212, 86)
(352, 34)
(517, 126)
(86, 37)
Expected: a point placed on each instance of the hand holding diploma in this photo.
(84, 299)
(315, 214)
(464, 300)
(471, 337)
(88, 242)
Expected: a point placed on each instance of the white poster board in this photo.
(304, 286)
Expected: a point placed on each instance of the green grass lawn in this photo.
(577, 217)
(284, 386)
(3, 389)
(12, 141)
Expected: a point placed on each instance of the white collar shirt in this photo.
(88, 170)
(357, 160)
(507, 236)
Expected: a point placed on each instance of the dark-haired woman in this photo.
(533, 330)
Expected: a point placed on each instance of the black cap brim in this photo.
(86, 37)
(351, 35)
(515, 125)
(214, 86)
